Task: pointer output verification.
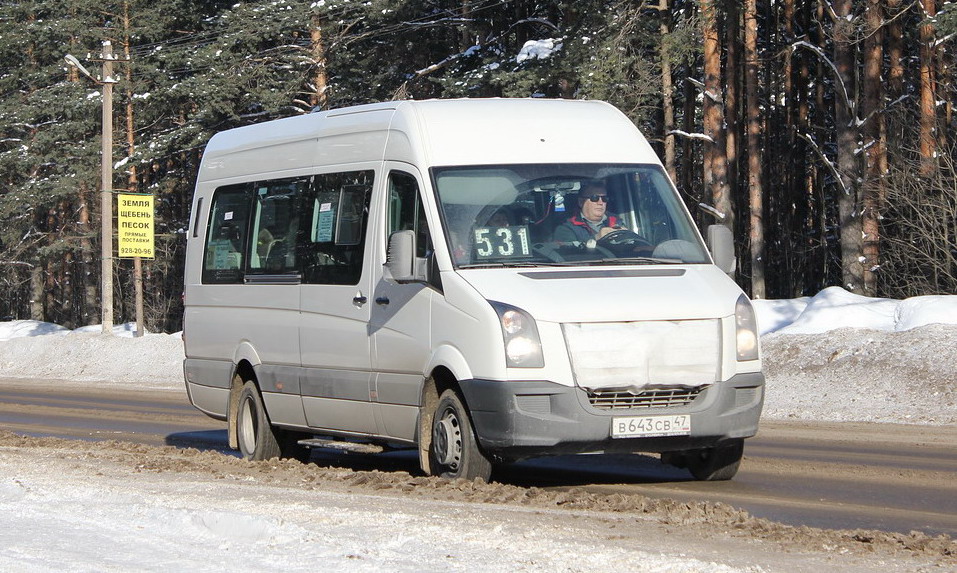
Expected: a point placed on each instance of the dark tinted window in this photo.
(312, 228)
(227, 235)
(337, 212)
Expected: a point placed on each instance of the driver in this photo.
(593, 222)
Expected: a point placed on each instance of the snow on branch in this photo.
(18, 263)
(685, 134)
(946, 38)
(715, 98)
(716, 213)
(827, 162)
(438, 65)
(842, 89)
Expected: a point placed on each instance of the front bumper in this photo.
(515, 420)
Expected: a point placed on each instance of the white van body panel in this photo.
(610, 294)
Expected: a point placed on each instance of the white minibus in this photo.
(483, 280)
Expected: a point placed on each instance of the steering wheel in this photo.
(625, 243)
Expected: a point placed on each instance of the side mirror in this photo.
(721, 245)
(400, 259)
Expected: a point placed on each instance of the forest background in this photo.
(822, 132)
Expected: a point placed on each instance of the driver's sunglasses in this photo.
(597, 198)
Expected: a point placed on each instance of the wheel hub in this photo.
(247, 426)
(447, 440)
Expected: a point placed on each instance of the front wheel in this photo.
(454, 452)
(257, 439)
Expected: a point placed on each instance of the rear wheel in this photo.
(454, 452)
(257, 439)
(714, 464)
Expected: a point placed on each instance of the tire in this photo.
(454, 452)
(719, 463)
(257, 439)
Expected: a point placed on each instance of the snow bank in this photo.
(835, 308)
(153, 361)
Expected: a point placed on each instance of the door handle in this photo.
(359, 300)
(382, 300)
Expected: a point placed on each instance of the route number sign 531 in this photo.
(501, 242)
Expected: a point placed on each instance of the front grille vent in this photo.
(658, 398)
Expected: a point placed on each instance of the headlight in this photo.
(523, 347)
(746, 328)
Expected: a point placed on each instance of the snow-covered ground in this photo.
(835, 356)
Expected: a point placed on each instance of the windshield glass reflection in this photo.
(539, 215)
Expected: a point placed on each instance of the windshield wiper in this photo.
(638, 261)
(522, 265)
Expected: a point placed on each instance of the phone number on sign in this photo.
(136, 251)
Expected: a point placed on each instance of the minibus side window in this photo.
(227, 235)
(336, 213)
(276, 226)
(406, 211)
(657, 222)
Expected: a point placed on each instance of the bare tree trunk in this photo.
(667, 89)
(687, 144)
(132, 180)
(465, 38)
(731, 80)
(873, 187)
(321, 79)
(87, 264)
(66, 285)
(847, 138)
(895, 51)
(928, 88)
(755, 154)
(715, 157)
(804, 190)
(36, 293)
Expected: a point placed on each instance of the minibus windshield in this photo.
(565, 214)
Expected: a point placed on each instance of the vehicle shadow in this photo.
(203, 440)
(590, 469)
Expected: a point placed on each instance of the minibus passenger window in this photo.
(226, 235)
(351, 204)
(336, 212)
(275, 226)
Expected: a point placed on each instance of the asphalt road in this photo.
(838, 476)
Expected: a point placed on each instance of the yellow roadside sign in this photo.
(135, 226)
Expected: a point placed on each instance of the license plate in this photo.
(651, 426)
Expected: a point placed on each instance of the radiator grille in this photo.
(659, 398)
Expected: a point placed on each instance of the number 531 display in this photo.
(501, 242)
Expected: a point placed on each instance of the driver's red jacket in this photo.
(575, 229)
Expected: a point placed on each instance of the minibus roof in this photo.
(433, 133)
(502, 131)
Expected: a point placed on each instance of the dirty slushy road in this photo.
(892, 478)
